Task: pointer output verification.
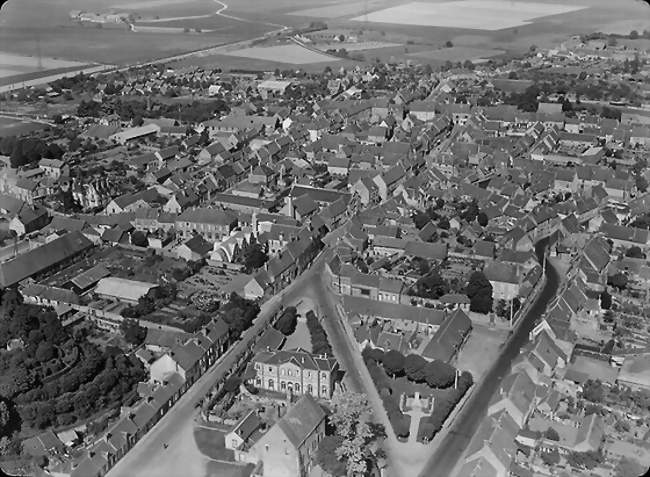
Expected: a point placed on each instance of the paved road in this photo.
(138, 461)
(446, 456)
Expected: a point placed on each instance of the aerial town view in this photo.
(325, 238)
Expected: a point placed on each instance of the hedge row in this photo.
(319, 342)
(398, 420)
(446, 400)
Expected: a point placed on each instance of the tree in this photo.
(327, 458)
(641, 183)
(618, 280)
(359, 438)
(139, 239)
(394, 363)
(551, 434)
(45, 351)
(439, 374)
(449, 44)
(431, 286)
(634, 35)
(133, 333)
(443, 223)
(634, 252)
(479, 292)
(593, 391)
(254, 257)
(414, 367)
(605, 300)
(482, 219)
(287, 323)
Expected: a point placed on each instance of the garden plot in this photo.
(291, 54)
(470, 14)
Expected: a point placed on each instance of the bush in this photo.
(373, 354)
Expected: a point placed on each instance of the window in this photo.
(323, 390)
(270, 369)
(271, 384)
(297, 387)
(258, 382)
(283, 385)
(310, 389)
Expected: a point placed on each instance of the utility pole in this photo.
(510, 313)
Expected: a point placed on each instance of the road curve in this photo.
(444, 459)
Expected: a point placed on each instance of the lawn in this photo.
(480, 350)
(222, 469)
(211, 443)
(300, 338)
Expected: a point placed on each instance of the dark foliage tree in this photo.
(288, 321)
(482, 219)
(551, 434)
(605, 300)
(439, 374)
(254, 257)
(319, 342)
(394, 363)
(479, 292)
(415, 367)
(618, 280)
(634, 252)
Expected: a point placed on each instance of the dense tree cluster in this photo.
(358, 436)
(28, 150)
(129, 110)
(133, 333)
(287, 322)
(319, 342)
(239, 314)
(431, 286)
(53, 378)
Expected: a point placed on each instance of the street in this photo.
(149, 458)
(403, 458)
(443, 461)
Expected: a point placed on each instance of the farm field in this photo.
(11, 64)
(360, 46)
(15, 127)
(338, 10)
(469, 14)
(458, 53)
(291, 54)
